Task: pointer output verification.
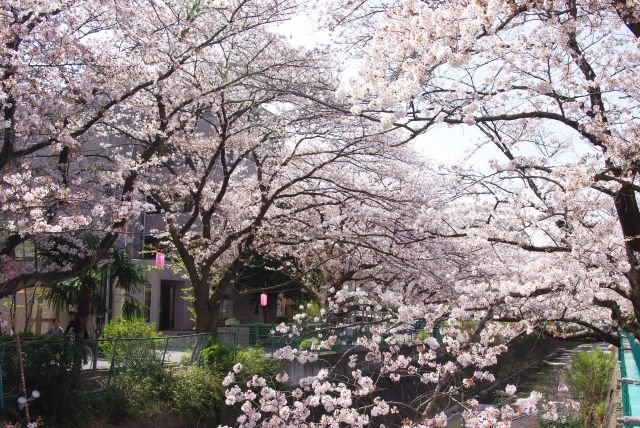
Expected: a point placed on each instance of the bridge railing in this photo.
(629, 358)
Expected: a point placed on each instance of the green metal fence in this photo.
(629, 357)
(267, 336)
(116, 356)
(136, 355)
(43, 355)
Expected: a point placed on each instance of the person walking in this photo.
(72, 326)
(55, 329)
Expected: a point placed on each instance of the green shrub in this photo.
(570, 420)
(26, 336)
(312, 309)
(197, 393)
(50, 367)
(307, 343)
(193, 393)
(142, 394)
(220, 360)
(600, 410)
(255, 362)
(422, 335)
(132, 345)
(589, 383)
(136, 327)
(111, 404)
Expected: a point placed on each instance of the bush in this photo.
(141, 394)
(255, 362)
(220, 360)
(128, 328)
(570, 420)
(51, 367)
(197, 393)
(422, 336)
(307, 343)
(132, 345)
(589, 382)
(312, 309)
(192, 393)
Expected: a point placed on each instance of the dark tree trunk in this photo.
(629, 218)
(201, 305)
(84, 307)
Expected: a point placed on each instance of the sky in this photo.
(442, 144)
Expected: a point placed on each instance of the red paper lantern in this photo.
(160, 260)
(263, 299)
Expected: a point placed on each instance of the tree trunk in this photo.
(201, 307)
(629, 218)
(84, 307)
(207, 308)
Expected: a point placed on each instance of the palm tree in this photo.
(88, 292)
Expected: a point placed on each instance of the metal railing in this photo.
(629, 358)
(110, 356)
(267, 337)
(139, 355)
(144, 354)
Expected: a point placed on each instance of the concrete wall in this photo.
(156, 277)
(41, 313)
(244, 308)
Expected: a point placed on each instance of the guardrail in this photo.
(629, 358)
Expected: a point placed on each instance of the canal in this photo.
(545, 376)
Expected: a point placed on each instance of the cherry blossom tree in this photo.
(260, 182)
(201, 104)
(553, 221)
(390, 283)
(78, 79)
(549, 86)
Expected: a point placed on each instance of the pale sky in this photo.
(441, 144)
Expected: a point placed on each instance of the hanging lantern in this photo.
(263, 299)
(11, 268)
(160, 260)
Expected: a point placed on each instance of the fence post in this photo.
(257, 327)
(1, 382)
(1, 389)
(166, 345)
(197, 348)
(112, 369)
(95, 356)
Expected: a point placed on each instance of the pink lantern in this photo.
(11, 268)
(160, 260)
(263, 299)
